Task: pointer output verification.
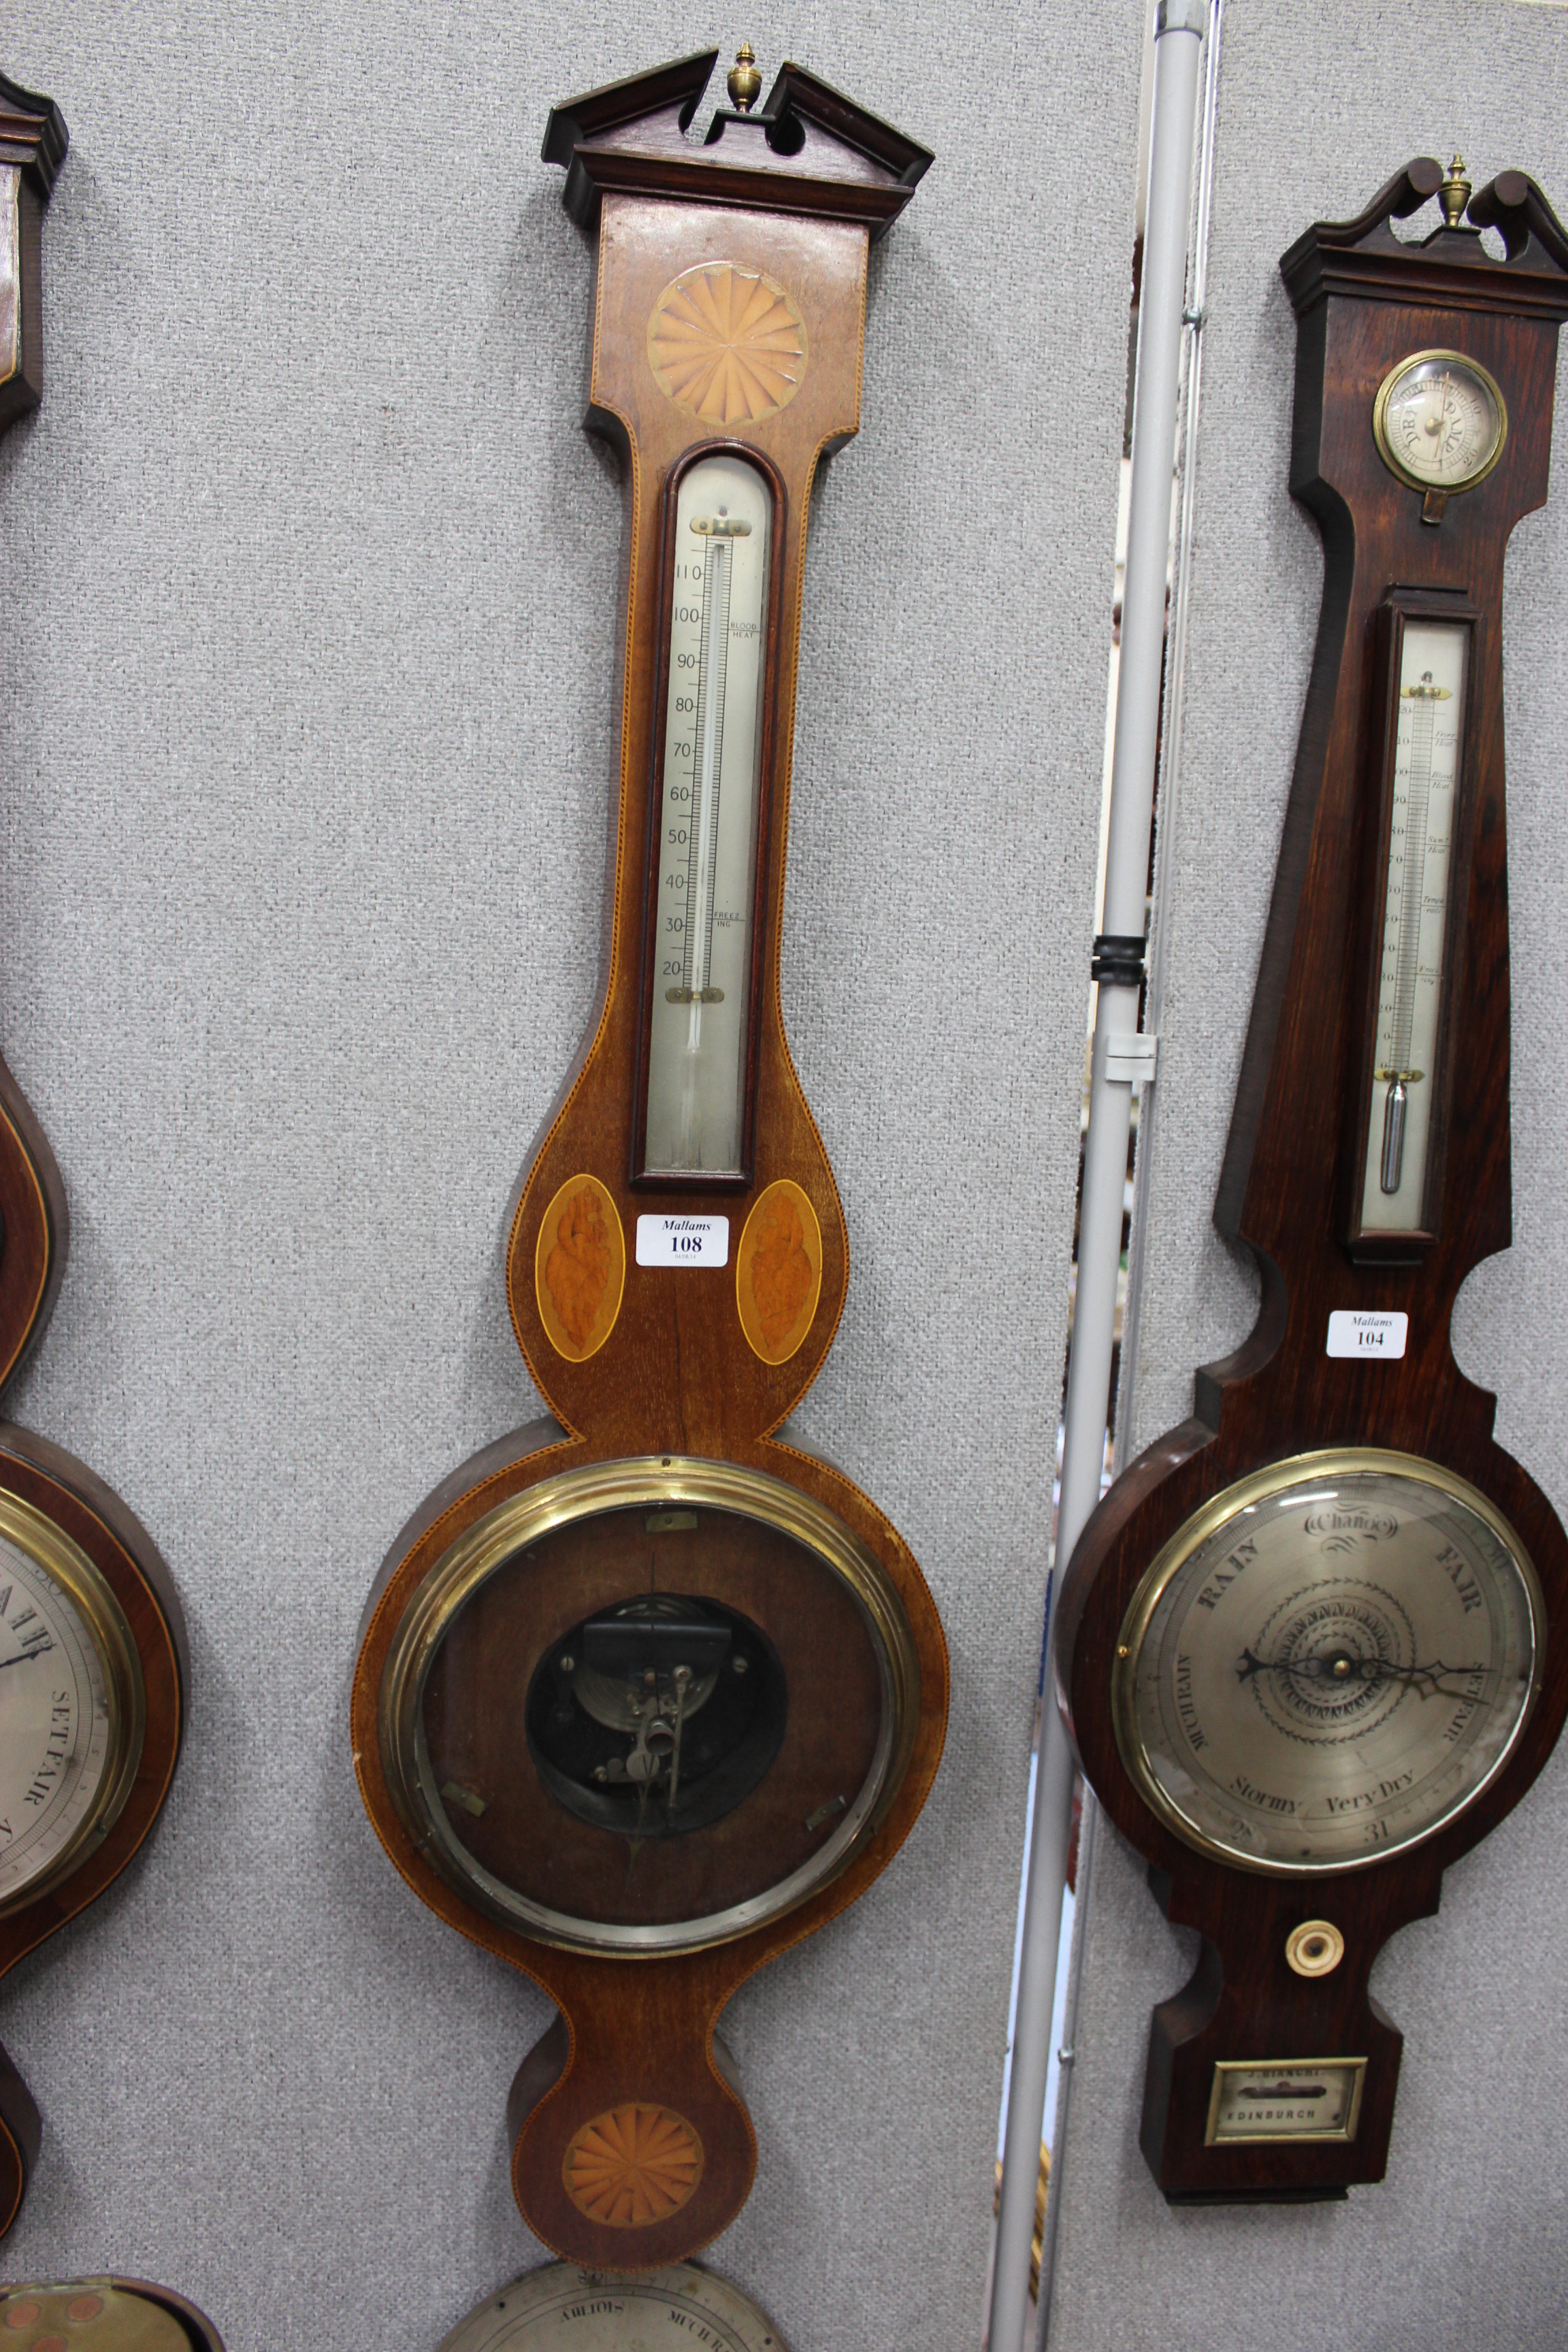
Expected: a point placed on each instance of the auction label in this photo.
(685, 1240)
(1351, 1333)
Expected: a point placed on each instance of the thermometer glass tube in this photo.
(1434, 661)
(705, 855)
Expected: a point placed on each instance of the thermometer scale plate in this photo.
(1424, 659)
(724, 541)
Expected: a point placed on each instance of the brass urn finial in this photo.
(745, 81)
(1455, 193)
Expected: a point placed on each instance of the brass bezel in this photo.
(1380, 421)
(1224, 2066)
(657, 1480)
(1341, 1461)
(105, 1626)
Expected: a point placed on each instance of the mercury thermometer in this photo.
(1414, 951)
(702, 912)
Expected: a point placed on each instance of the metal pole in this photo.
(1175, 696)
(1153, 999)
(1179, 26)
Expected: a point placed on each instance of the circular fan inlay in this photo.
(727, 344)
(632, 2165)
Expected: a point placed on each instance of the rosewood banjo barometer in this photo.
(92, 1643)
(648, 1692)
(1310, 1646)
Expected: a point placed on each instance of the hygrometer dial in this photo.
(1440, 421)
(563, 2305)
(1328, 1662)
(645, 1707)
(72, 1705)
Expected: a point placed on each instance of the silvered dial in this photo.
(561, 2304)
(1440, 421)
(67, 1721)
(1328, 1662)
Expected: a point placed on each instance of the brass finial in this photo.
(745, 81)
(1455, 193)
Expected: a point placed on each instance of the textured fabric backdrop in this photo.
(1464, 2241)
(306, 705)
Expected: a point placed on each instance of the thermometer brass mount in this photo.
(92, 1645)
(1311, 1646)
(647, 1693)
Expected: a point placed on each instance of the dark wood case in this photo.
(1363, 299)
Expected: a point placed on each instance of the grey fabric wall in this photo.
(1463, 2243)
(306, 705)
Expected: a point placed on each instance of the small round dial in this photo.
(95, 2315)
(1328, 1663)
(71, 1704)
(562, 2305)
(1440, 421)
(646, 1706)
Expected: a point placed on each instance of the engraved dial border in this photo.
(1259, 1486)
(656, 1480)
(105, 1625)
(681, 2305)
(1380, 421)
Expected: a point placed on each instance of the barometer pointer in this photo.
(1340, 1669)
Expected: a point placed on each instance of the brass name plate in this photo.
(1291, 2099)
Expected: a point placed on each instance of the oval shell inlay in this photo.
(634, 2165)
(778, 1271)
(580, 1269)
(727, 344)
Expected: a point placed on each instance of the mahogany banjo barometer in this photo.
(1310, 1646)
(92, 1643)
(648, 1692)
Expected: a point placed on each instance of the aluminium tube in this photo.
(1179, 26)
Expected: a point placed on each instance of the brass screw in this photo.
(1455, 193)
(746, 82)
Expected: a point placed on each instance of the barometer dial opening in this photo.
(1328, 1663)
(72, 1704)
(644, 1707)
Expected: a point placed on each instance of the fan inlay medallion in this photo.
(727, 344)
